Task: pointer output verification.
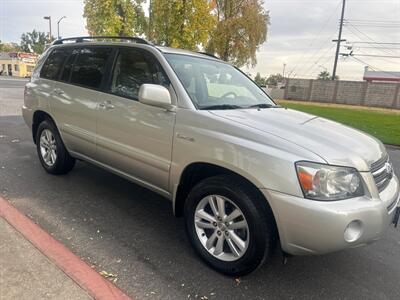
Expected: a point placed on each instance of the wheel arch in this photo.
(38, 117)
(197, 171)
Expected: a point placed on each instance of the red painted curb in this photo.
(87, 278)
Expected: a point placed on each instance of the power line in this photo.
(357, 47)
(376, 26)
(374, 55)
(369, 38)
(373, 47)
(301, 62)
(375, 21)
(318, 60)
(378, 58)
(372, 67)
(379, 43)
(372, 23)
(327, 42)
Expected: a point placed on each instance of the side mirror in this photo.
(155, 95)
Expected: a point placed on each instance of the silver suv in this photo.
(245, 173)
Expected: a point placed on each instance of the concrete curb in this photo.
(75, 268)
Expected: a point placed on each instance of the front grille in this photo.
(382, 171)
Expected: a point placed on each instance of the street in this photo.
(123, 229)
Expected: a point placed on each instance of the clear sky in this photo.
(299, 35)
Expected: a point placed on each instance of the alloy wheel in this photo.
(221, 228)
(48, 147)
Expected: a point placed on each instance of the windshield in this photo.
(217, 85)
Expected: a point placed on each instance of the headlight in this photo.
(324, 182)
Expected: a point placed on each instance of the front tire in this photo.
(229, 225)
(52, 153)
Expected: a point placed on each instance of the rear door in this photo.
(135, 138)
(76, 97)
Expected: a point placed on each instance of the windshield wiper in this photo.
(263, 105)
(221, 106)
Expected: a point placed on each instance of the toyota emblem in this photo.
(389, 168)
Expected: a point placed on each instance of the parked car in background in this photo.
(245, 173)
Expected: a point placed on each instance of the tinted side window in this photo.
(132, 69)
(66, 72)
(52, 66)
(89, 67)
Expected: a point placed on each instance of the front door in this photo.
(134, 138)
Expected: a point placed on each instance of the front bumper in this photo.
(318, 227)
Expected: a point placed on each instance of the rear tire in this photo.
(254, 225)
(51, 150)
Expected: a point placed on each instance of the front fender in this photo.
(265, 160)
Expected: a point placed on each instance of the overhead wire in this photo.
(302, 62)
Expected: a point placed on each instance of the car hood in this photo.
(337, 144)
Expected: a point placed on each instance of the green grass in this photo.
(383, 124)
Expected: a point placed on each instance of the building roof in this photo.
(8, 55)
(390, 76)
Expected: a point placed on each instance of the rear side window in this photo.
(132, 69)
(66, 72)
(52, 67)
(89, 67)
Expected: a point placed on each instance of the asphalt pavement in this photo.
(121, 228)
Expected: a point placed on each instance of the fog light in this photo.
(353, 231)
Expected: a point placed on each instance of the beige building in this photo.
(18, 64)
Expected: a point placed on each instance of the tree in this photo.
(274, 79)
(181, 23)
(114, 17)
(34, 41)
(261, 81)
(241, 28)
(325, 75)
(9, 47)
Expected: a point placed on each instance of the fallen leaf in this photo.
(107, 275)
(237, 280)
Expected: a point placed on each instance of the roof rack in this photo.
(81, 39)
(208, 54)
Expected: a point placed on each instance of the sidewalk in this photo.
(25, 273)
(6, 77)
(33, 265)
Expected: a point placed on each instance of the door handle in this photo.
(58, 91)
(107, 105)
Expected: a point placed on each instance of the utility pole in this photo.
(338, 41)
(284, 68)
(49, 18)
